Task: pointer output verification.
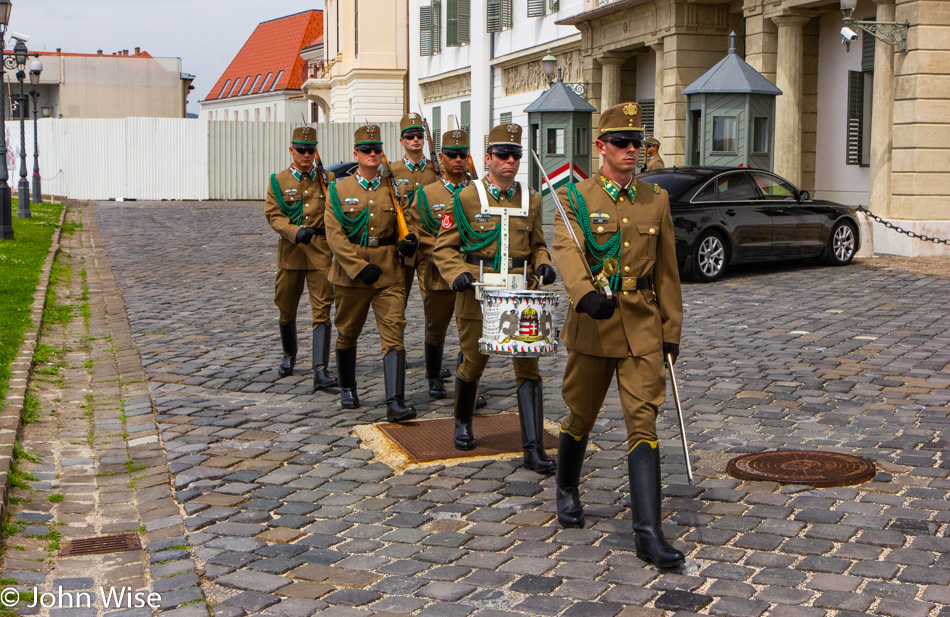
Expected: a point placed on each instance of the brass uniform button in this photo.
(626, 220)
(626, 293)
(600, 229)
(652, 231)
(626, 244)
(626, 268)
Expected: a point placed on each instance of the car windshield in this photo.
(674, 182)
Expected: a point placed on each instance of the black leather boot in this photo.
(480, 401)
(346, 364)
(321, 358)
(643, 465)
(394, 375)
(465, 393)
(433, 370)
(531, 412)
(288, 342)
(570, 462)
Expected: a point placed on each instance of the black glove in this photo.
(671, 348)
(370, 274)
(597, 306)
(408, 245)
(464, 281)
(546, 274)
(304, 235)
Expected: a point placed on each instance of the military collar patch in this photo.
(656, 189)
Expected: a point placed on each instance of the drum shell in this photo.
(518, 323)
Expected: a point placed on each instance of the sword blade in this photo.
(679, 415)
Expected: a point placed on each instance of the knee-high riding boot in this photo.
(531, 412)
(394, 376)
(346, 365)
(570, 462)
(434, 355)
(465, 394)
(480, 401)
(321, 358)
(643, 465)
(288, 343)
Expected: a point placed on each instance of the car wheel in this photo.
(709, 257)
(841, 244)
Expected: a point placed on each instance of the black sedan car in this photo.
(342, 170)
(727, 215)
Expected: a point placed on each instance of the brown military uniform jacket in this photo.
(291, 256)
(408, 182)
(654, 163)
(526, 242)
(349, 258)
(438, 199)
(641, 323)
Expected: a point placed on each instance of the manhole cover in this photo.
(431, 440)
(818, 469)
(101, 545)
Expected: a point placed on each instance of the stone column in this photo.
(882, 118)
(788, 105)
(610, 79)
(659, 114)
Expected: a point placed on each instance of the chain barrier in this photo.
(901, 230)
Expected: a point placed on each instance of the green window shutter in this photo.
(505, 118)
(507, 14)
(466, 117)
(437, 128)
(867, 52)
(436, 26)
(536, 8)
(554, 6)
(493, 15)
(452, 24)
(464, 21)
(855, 117)
(425, 31)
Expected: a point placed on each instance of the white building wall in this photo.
(283, 109)
(834, 179)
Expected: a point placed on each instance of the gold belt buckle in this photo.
(629, 283)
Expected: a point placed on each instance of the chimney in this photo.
(138, 51)
(100, 52)
(59, 50)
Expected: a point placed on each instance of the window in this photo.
(224, 88)
(555, 141)
(707, 194)
(581, 141)
(235, 86)
(735, 187)
(267, 115)
(499, 15)
(257, 113)
(540, 8)
(760, 135)
(466, 117)
(254, 85)
(860, 91)
(724, 134)
(437, 128)
(436, 26)
(774, 188)
(425, 31)
(276, 79)
(264, 83)
(457, 22)
(505, 118)
(243, 88)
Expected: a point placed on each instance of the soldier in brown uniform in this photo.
(618, 218)
(412, 173)
(469, 239)
(430, 205)
(361, 230)
(652, 158)
(294, 208)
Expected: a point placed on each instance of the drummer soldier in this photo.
(470, 240)
(651, 159)
(627, 223)
(413, 172)
(294, 207)
(361, 230)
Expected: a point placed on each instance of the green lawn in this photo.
(20, 263)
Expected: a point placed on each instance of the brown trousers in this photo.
(642, 383)
(470, 330)
(439, 306)
(289, 286)
(352, 307)
(414, 268)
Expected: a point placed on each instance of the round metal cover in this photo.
(818, 469)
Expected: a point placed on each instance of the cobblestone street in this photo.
(286, 513)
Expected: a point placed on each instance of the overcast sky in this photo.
(205, 34)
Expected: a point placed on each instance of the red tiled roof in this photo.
(273, 48)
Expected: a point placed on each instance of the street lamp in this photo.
(890, 32)
(552, 72)
(21, 53)
(549, 64)
(36, 67)
(6, 211)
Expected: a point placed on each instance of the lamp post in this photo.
(36, 67)
(21, 53)
(552, 72)
(891, 32)
(6, 210)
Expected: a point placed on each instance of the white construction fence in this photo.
(169, 158)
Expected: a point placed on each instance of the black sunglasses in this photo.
(413, 135)
(507, 154)
(623, 144)
(369, 149)
(455, 154)
(305, 150)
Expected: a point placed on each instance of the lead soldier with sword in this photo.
(626, 229)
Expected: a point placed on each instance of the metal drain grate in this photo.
(818, 469)
(101, 545)
(431, 440)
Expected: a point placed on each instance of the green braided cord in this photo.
(294, 213)
(351, 225)
(472, 240)
(600, 252)
(429, 222)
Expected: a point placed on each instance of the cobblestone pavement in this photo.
(288, 515)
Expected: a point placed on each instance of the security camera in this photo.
(20, 37)
(848, 34)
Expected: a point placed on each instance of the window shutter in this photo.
(646, 119)
(493, 15)
(536, 8)
(554, 5)
(505, 118)
(452, 24)
(466, 117)
(507, 13)
(425, 31)
(855, 117)
(464, 21)
(867, 52)
(436, 26)
(437, 128)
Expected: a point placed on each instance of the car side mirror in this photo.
(803, 196)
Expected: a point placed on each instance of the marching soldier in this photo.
(652, 159)
(294, 208)
(624, 222)
(470, 239)
(361, 230)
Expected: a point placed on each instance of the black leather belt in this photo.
(374, 241)
(489, 262)
(630, 283)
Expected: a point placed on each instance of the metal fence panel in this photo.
(166, 158)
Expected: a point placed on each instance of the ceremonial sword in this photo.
(679, 416)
